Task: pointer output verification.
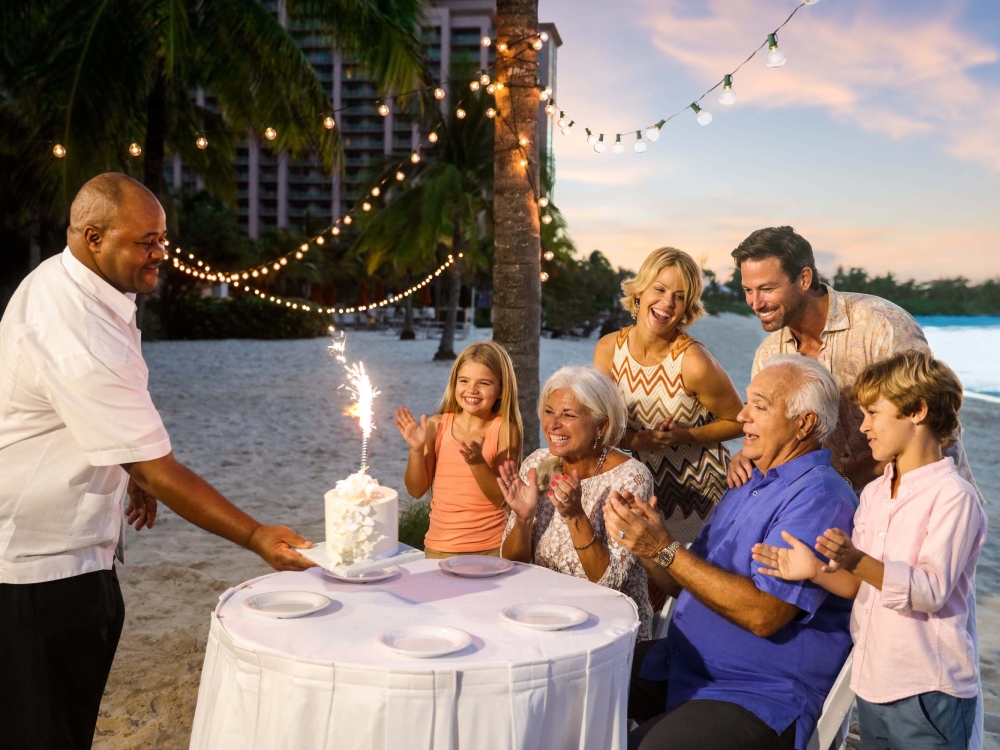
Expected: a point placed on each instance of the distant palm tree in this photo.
(94, 75)
(445, 209)
(516, 269)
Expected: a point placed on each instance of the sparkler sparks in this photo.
(364, 393)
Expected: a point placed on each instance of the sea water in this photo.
(970, 344)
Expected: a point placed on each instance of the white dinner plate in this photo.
(424, 641)
(286, 604)
(369, 576)
(475, 566)
(543, 616)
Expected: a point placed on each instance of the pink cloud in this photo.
(890, 73)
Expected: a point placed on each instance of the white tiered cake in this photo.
(362, 520)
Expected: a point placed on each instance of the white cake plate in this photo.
(319, 555)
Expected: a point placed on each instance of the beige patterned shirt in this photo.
(860, 329)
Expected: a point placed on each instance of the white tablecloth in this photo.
(323, 681)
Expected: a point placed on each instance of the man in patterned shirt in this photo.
(844, 331)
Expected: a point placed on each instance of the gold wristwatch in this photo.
(666, 555)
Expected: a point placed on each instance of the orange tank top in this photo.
(462, 518)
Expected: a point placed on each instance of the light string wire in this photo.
(659, 125)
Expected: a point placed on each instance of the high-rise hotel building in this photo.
(275, 190)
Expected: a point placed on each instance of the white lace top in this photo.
(552, 546)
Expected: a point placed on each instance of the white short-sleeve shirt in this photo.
(74, 405)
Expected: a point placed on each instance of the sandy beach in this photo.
(264, 422)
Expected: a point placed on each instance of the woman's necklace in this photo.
(600, 463)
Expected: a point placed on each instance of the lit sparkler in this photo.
(361, 388)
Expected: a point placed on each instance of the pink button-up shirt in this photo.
(916, 635)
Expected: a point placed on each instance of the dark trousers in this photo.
(696, 724)
(57, 642)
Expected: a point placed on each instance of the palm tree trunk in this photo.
(408, 334)
(446, 350)
(517, 316)
(156, 128)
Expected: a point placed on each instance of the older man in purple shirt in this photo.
(748, 659)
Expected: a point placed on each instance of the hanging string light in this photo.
(270, 134)
(135, 149)
(774, 57)
(201, 142)
(329, 123)
(727, 97)
(58, 151)
(640, 145)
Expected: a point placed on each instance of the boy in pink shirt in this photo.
(909, 565)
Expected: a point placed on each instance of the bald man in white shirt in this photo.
(78, 428)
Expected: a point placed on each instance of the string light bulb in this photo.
(366, 206)
(568, 127)
(543, 276)
(486, 41)
(400, 176)
(460, 113)
(439, 93)
(600, 145)
(727, 97)
(304, 246)
(491, 89)
(523, 163)
(774, 58)
(432, 137)
(546, 219)
(543, 95)
(474, 86)
(201, 142)
(640, 145)
(703, 116)
(58, 151)
(522, 141)
(544, 36)
(499, 85)
(270, 134)
(329, 123)
(618, 148)
(383, 109)
(376, 191)
(549, 255)
(550, 108)
(537, 44)
(135, 149)
(415, 157)
(502, 47)
(335, 231)
(591, 136)
(561, 122)
(543, 201)
(348, 219)
(653, 131)
(484, 79)
(491, 113)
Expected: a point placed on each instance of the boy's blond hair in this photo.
(908, 378)
(656, 261)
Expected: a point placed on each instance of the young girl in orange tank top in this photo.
(477, 427)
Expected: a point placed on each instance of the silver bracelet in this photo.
(586, 545)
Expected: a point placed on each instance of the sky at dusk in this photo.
(879, 139)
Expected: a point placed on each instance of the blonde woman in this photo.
(477, 427)
(557, 498)
(681, 403)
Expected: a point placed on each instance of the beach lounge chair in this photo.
(835, 721)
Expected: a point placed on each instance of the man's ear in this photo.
(92, 236)
(806, 278)
(807, 424)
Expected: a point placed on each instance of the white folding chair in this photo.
(835, 721)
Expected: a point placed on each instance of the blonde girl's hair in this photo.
(656, 261)
(908, 378)
(494, 358)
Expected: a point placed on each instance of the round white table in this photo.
(323, 681)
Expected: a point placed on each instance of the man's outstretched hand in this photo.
(277, 545)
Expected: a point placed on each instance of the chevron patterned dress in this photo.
(689, 479)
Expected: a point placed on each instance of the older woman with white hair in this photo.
(583, 417)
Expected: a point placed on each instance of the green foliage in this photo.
(580, 292)
(243, 317)
(940, 297)
(414, 522)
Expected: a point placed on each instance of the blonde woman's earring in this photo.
(635, 309)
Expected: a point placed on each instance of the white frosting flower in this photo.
(350, 527)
